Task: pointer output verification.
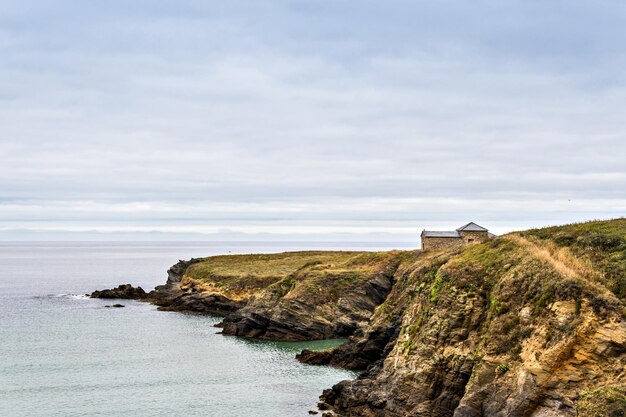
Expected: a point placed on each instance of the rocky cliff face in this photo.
(525, 325)
(180, 294)
(319, 300)
(177, 271)
(271, 315)
(285, 296)
(529, 324)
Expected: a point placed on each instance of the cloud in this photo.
(309, 118)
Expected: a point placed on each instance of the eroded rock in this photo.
(125, 291)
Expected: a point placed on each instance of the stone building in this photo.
(469, 234)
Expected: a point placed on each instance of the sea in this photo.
(64, 354)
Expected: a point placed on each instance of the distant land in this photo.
(407, 232)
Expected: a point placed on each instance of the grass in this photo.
(277, 265)
(577, 263)
(326, 282)
(435, 288)
(414, 276)
(602, 402)
(502, 369)
(530, 269)
(314, 276)
(599, 246)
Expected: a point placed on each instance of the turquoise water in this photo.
(62, 354)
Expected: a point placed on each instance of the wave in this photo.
(73, 296)
(77, 296)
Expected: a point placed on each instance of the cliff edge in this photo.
(529, 324)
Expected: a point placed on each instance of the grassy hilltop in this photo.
(297, 295)
(530, 323)
(556, 257)
(314, 273)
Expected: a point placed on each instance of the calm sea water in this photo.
(62, 354)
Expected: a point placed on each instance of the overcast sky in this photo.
(320, 120)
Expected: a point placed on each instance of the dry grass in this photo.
(603, 402)
(315, 276)
(279, 265)
(599, 246)
(560, 258)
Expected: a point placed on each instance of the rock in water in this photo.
(529, 324)
(125, 291)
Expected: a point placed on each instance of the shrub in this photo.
(502, 369)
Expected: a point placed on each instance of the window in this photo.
(470, 240)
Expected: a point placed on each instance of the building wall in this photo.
(441, 242)
(474, 237)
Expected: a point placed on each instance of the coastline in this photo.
(449, 332)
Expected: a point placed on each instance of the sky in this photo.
(308, 120)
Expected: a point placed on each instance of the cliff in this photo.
(332, 296)
(285, 296)
(529, 324)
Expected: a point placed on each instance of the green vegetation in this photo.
(602, 402)
(326, 281)
(277, 265)
(314, 276)
(504, 275)
(414, 276)
(244, 275)
(601, 243)
(502, 369)
(412, 331)
(435, 288)
(530, 270)
(494, 303)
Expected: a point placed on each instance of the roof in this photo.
(430, 233)
(471, 227)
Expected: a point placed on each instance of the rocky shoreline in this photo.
(301, 319)
(172, 297)
(530, 324)
(294, 319)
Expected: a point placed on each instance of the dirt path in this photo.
(557, 260)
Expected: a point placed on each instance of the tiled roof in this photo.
(472, 227)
